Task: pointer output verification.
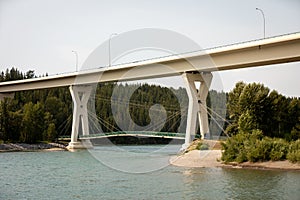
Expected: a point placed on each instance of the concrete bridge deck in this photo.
(274, 50)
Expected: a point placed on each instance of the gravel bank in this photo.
(10, 147)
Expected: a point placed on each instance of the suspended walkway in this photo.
(168, 135)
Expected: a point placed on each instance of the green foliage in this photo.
(5, 119)
(256, 113)
(29, 116)
(247, 122)
(113, 102)
(202, 146)
(46, 114)
(233, 105)
(10, 121)
(234, 149)
(51, 132)
(33, 123)
(295, 133)
(254, 147)
(279, 149)
(294, 151)
(253, 106)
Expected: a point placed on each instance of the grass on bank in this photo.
(255, 147)
(199, 144)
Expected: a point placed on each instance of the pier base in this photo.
(85, 144)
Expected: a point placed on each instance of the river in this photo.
(114, 175)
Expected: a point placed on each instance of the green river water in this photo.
(110, 173)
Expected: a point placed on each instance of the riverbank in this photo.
(197, 158)
(15, 147)
(212, 158)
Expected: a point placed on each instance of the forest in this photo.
(45, 115)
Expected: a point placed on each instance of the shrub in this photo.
(242, 156)
(234, 148)
(294, 156)
(265, 148)
(254, 147)
(254, 151)
(202, 146)
(279, 149)
(257, 147)
(294, 151)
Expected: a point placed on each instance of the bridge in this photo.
(192, 67)
(167, 135)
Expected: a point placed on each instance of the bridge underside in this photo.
(197, 111)
(193, 67)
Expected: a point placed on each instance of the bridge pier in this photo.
(197, 105)
(80, 96)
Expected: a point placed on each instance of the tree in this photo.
(234, 108)
(278, 115)
(33, 123)
(30, 74)
(294, 119)
(233, 105)
(253, 106)
(51, 132)
(45, 114)
(254, 99)
(4, 119)
(247, 122)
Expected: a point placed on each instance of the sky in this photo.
(41, 34)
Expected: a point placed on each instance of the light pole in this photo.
(76, 54)
(262, 12)
(109, 47)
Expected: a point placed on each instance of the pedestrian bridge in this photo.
(167, 135)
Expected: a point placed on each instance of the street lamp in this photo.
(262, 12)
(109, 47)
(75, 52)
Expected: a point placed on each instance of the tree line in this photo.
(33, 116)
(44, 115)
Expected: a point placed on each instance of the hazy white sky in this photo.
(41, 34)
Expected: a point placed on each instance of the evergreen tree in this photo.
(253, 106)
(33, 123)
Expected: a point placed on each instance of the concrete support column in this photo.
(80, 96)
(197, 105)
(202, 112)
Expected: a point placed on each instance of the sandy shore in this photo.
(211, 158)
(54, 149)
(196, 158)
